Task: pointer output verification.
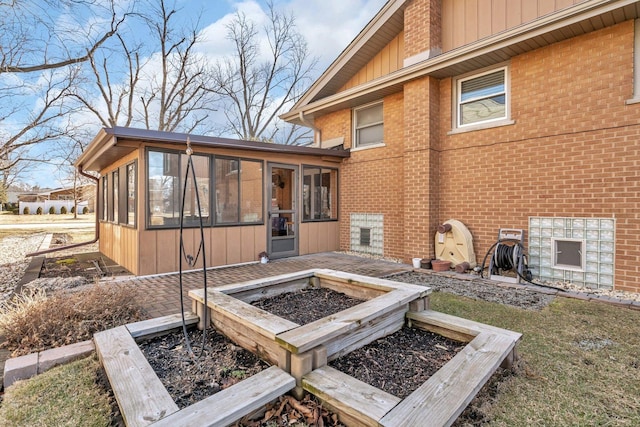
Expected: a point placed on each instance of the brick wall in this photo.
(371, 180)
(422, 26)
(420, 165)
(573, 151)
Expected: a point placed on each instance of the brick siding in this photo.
(573, 151)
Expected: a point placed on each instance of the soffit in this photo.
(112, 144)
(483, 53)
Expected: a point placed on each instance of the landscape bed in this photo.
(300, 355)
(190, 378)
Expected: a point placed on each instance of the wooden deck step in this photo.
(441, 399)
(141, 396)
(229, 405)
(358, 403)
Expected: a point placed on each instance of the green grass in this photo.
(579, 362)
(64, 396)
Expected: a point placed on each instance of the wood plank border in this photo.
(321, 331)
(140, 394)
(229, 405)
(443, 397)
(160, 325)
(356, 402)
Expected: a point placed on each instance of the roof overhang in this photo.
(112, 144)
(574, 21)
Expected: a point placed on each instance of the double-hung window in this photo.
(368, 125)
(482, 98)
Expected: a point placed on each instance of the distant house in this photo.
(500, 114)
(57, 198)
(254, 197)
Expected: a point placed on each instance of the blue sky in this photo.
(328, 27)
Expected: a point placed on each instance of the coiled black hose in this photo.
(506, 258)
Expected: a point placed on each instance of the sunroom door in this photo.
(282, 230)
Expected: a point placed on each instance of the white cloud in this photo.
(330, 25)
(327, 25)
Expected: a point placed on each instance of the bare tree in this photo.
(39, 55)
(255, 86)
(32, 124)
(69, 150)
(159, 84)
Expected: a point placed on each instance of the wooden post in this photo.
(301, 364)
(200, 312)
(319, 356)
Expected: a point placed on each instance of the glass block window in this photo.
(576, 250)
(367, 233)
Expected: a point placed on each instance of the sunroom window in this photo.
(229, 190)
(482, 98)
(320, 194)
(368, 125)
(166, 176)
(131, 194)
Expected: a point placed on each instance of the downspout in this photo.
(316, 132)
(97, 230)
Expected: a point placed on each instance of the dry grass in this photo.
(580, 363)
(64, 396)
(81, 229)
(9, 218)
(34, 323)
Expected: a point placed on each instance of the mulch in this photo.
(190, 378)
(307, 305)
(401, 362)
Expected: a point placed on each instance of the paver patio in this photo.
(161, 295)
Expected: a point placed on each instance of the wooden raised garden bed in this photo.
(303, 350)
(144, 401)
(301, 353)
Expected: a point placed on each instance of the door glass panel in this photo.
(282, 202)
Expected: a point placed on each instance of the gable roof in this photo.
(322, 97)
(111, 144)
(382, 28)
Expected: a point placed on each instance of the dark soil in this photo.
(222, 364)
(478, 289)
(401, 362)
(307, 305)
(191, 379)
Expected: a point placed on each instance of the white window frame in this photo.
(356, 144)
(636, 64)
(554, 252)
(498, 121)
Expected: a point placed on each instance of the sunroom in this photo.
(250, 197)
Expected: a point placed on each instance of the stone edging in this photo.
(30, 365)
